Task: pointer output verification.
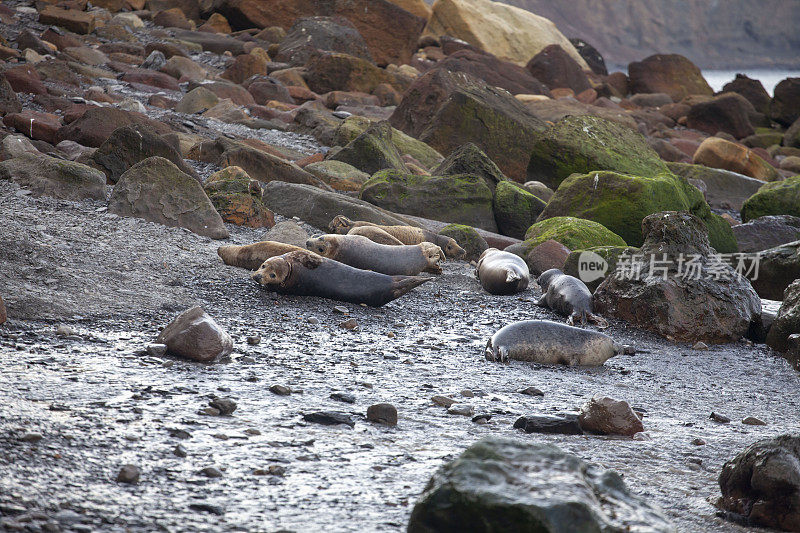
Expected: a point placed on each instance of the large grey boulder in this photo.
(724, 189)
(48, 176)
(195, 335)
(766, 232)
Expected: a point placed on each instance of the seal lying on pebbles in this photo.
(252, 255)
(405, 234)
(550, 343)
(567, 296)
(360, 252)
(375, 234)
(502, 272)
(305, 273)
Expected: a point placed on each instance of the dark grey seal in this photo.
(502, 272)
(568, 296)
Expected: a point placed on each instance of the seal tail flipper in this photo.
(601, 322)
(503, 354)
(403, 284)
(511, 276)
(542, 302)
(489, 351)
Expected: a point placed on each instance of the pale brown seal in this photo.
(568, 296)
(375, 234)
(550, 343)
(305, 273)
(252, 255)
(502, 272)
(405, 234)
(360, 252)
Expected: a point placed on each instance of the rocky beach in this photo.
(153, 382)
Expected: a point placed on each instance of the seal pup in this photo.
(375, 234)
(252, 255)
(502, 272)
(405, 234)
(304, 273)
(360, 252)
(550, 343)
(567, 296)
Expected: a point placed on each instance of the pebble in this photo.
(31, 437)
(642, 436)
(211, 471)
(156, 350)
(753, 421)
(329, 418)
(350, 324)
(207, 508)
(64, 331)
(443, 401)
(280, 390)
(700, 346)
(313, 320)
(463, 409)
(531, 391)
(482, 418)
(467, 393)
(345, 397)
(209, 411)
(627, 349)
(716, 417)
(698, 442)
(341, 309)
(561, 425)
(382, 413)
(68, 516)
(128, 474)
(179, 451)
(252, 340)
(226, 406)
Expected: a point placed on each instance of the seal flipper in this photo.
(542, 302)
(403, 284)
(601, 322)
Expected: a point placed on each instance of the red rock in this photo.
(3, 312)
(726, 112)
(95, 126)
(172, 18)
(245, 66)
(224, 89)
(76, 111)
(60, 38)
(587, 97)
(40, 126)
(556, 68)
(686, 146)
(302, 94)
(719, 153)
(315, 158)
(168, 49)
(25, 79)
(9, 103)
(8, 53)
(549, 254)
(667, 73)
(494, 71)
(76, 21)
(675, 111)
(562, 92)
(265, 89)
(618, 81)
(751, 89)
(159, 100)
(387, 95)
(152, 78)
(608, 416)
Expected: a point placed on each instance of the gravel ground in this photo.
(98, 401)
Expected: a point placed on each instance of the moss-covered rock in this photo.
(582, 144)
(372, 151)
(609, 254)
(469, 159)
(515, 209)
(462, 199)
(775, 198)
(620, 202)
(339, 175)
(49, 176)
(355, 125)
(237, 198)
(466, 237)
(574, 233)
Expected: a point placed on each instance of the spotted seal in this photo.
(252, 255)
(502, 272)
(360, 252)
(568, 296)
(375, 234)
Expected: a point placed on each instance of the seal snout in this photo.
(256, 276)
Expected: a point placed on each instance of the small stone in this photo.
(343, 397)
(443, 401)
(467, 393)
(31, 437)
(64, 331)
(209, 411)
(627, 349)
(211, 471)
(482, 418)
(253, 340)
(698, 442)
(280, 390)
(156, 350)
(226, 406)
(312, 320)
(341, 309)
(329, 418)
(753, 421)
(641, 436)
(128, 474)
(276, 470)
(247, 359)
(207, 508)
(179, 451)
(463, 409)
(716, 417)
(531, 391)
(608, 416)
(252, 431)
(382, 413)
(560, 425)
(700, 346)
(350, 324)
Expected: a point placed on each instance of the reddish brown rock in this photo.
(667, 73)
(494, 71)
(152, 78)
(608, 416)
(751, 89)
(265, 89)
(97, 124)
(216, 23)
(557, 69)
(245, 66)
(25, 79)
(195, 335)
(223, 89)
(40, 126)
(719, 153)
(9, 103)
(80, 22)
(3, 312)
(60, 38)
(785, 105)
(333, 71)
(309, 35)
(726, 112)
(172, 18)
(387, 95)
(549, 254)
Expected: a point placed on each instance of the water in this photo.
(769, 78)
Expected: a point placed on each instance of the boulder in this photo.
(197, 100)
(723, 189)
(621, 201)
(766, 232)
(338, 175)
(778, 267)
(785, 105)
(501, 485)
(468, 238)
(494, 71)
(152, 78)
(158, 191)
(607, 416)
(543, 257)
(787, 322)
(759, 485)
(172, 18)
(25, 79)
(355, 125)
(318, 207)
(372, 151)
(515, 209)
(183, 68)
(9, 103)
(216, 23)
(791, 164)
(97, 124)
(590, 54)
(335, 71)
(287, 232)
(211, 42)
(462, 198)
(237, 198)
(776, 198)
(36, 125)
(391, 33)
(652, 100)
(667, 73)
(3, 312)
(508, 32)
(47, 176)
(539, 189)
(752, 90)
(594, 264)
(549, 424)
(557, 69)
(81, 22)
(195, 335)
(130, 144)
(15, 145)
(555, 110)
(680, 289)
(447, 110)
(266, 167)
(574, 233)
(715, 152)
(792, 136)
(226, 90)
(583, 144)
(245, 66)
(727, 112)
(310, 34)
(265, 88)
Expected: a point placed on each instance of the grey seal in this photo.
(502, 272)
(550, 343)
(567, 296)
(360, 252)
